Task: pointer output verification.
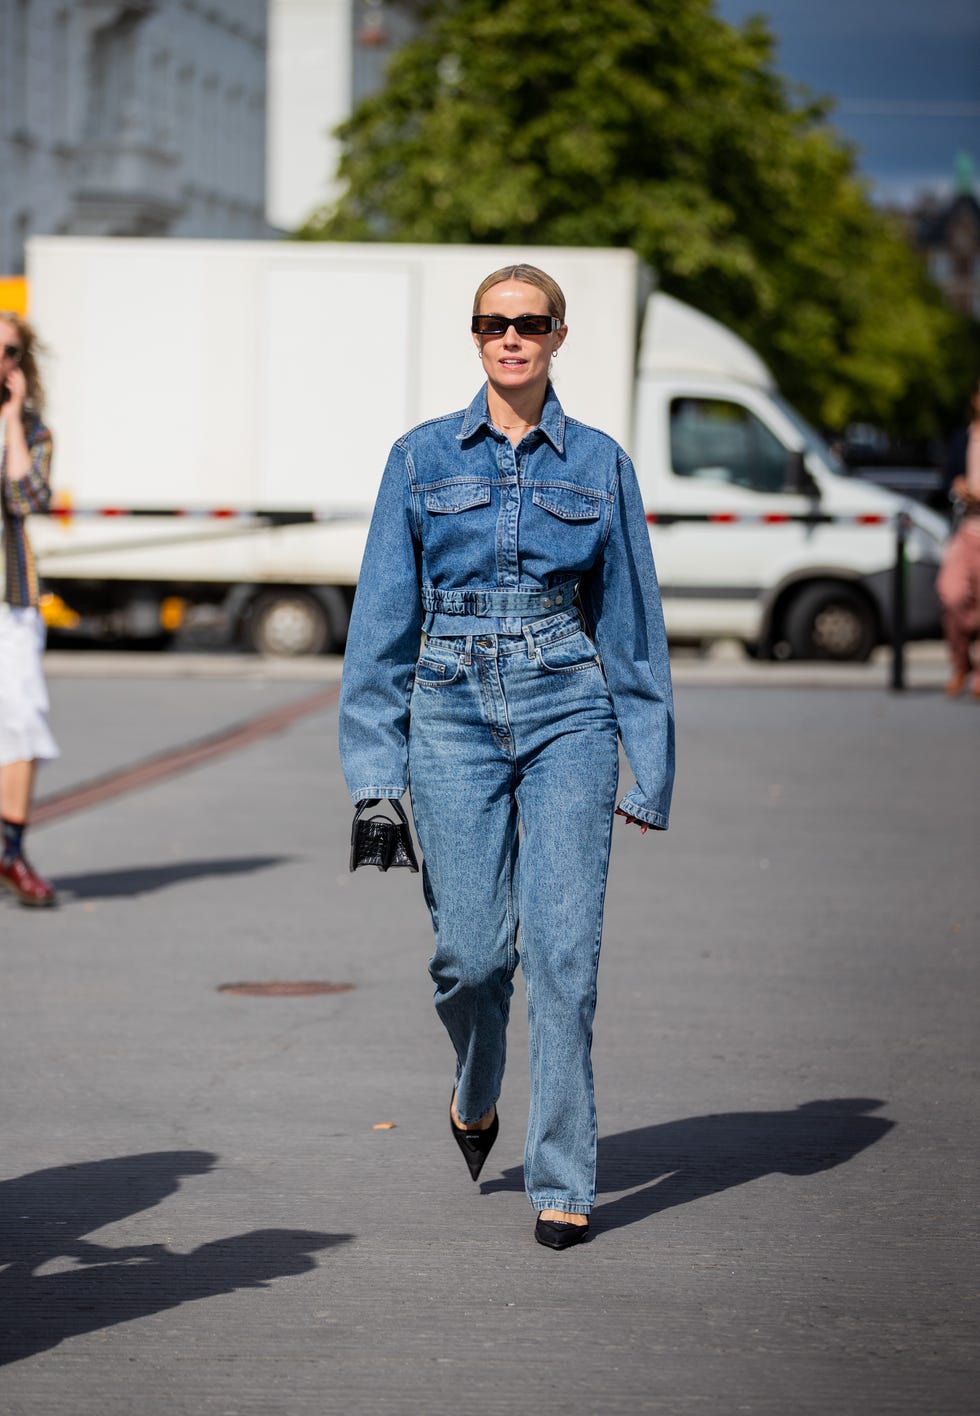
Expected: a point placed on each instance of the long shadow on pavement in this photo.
(141, 879)
(44, 1215)
(679, 1161)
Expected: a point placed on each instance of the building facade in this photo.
(145, 118)
(948, 235)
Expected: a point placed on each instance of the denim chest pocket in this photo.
(460, 496)
(570, 655)
(575, 504)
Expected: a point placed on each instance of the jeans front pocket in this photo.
(438, 668)
(573, 654)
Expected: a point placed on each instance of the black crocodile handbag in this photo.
(377, 840)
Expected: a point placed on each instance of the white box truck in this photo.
(222, 412)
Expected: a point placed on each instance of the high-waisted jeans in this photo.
(513, 764)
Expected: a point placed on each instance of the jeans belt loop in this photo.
(468, 651)
(529, 637)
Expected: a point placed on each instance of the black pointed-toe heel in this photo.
(559, 1233)
(475, 1145)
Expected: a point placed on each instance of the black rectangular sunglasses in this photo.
(524, 324)
(12, 351)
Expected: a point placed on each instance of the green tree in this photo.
(653, 124)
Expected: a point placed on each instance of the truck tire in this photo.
(286, 624)
(830, 620)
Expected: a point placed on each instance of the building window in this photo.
(17, 57)
(112, 78)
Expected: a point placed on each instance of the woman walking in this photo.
(25, 739)
(492, 526)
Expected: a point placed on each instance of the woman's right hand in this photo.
(15, 385)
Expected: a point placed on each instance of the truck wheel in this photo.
(829, 620)
(286, 624)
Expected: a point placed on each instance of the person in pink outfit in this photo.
(958, 583)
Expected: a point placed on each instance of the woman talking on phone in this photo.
(492, 526)
(25, 739)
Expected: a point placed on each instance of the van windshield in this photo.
(813, 441)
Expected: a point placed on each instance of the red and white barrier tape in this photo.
(217, 513)
(767, 518)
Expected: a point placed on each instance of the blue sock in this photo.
(13, 839)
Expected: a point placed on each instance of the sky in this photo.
(904, 74)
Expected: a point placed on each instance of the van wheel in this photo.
(286, 624)
(829, 620)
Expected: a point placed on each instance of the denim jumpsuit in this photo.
(472, 678)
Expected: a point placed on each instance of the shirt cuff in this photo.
(632, 804)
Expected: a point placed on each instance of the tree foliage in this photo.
(653, 124)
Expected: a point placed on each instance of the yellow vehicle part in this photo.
(13, 294)
(172, 611)
(56, 614)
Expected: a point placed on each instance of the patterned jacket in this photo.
(17, 500)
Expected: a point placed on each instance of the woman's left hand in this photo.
(633, 821)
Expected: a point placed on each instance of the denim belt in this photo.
(497, 603)
(538, 633)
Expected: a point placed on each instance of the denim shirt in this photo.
(461, 512)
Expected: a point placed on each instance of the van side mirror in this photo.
(799, 479)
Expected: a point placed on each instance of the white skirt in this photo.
(24, 732)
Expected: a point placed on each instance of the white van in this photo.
(757, 535)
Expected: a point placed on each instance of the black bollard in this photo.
(898, 603)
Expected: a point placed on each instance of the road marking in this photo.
(181, 759)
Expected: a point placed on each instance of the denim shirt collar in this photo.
(551, 425)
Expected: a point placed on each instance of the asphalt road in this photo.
(198, 1216)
